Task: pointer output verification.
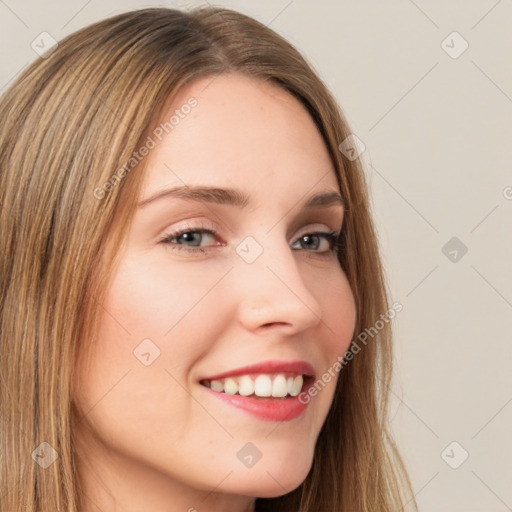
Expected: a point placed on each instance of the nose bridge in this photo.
(275, 290)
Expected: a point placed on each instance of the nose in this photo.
(274, 293)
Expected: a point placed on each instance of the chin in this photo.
(272, 481)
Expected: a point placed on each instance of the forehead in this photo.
(240, 132)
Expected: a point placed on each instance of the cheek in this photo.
(338, 325)
(153, 313)
(339, 313)
(150, 297)
(113, 377)
(337, 330)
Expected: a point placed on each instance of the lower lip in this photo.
(268, 409)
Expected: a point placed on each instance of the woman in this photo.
(187, 260)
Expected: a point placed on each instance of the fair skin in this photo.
(153, 438)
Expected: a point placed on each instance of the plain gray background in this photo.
(435, 118)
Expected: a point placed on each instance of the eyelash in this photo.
(332, 237)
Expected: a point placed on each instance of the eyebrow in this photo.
(234, 197)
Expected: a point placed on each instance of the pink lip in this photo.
(269, 367)
(269, 409)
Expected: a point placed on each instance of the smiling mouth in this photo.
(264, 386)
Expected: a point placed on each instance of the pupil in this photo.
(189, 237)
(308, 239)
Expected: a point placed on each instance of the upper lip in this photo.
(299, 367)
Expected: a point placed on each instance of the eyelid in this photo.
(192, 225)
(312, 228)
(201, 225)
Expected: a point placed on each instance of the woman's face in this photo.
(248, 283)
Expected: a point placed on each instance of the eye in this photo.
(189, 239)
(193, 239)
(314, 241)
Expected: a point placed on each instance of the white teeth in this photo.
(279, 387)
(230, 386)
(296, 386)
(246, 386)
(260, 385)
(263, 386)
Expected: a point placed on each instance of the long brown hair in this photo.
(71, 121)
